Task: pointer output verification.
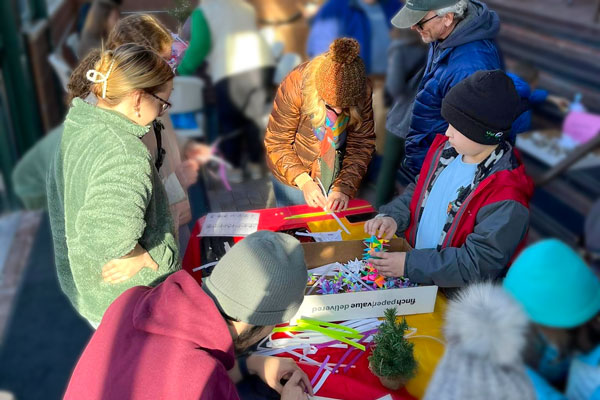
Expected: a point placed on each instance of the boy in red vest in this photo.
(468, 212)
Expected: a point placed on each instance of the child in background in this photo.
(561, 296)
(525, 77)
(321, 130)
(241, 66)
(468, 213)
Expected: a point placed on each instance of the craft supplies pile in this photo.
(356, 275)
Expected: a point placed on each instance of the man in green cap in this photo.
(462, 39)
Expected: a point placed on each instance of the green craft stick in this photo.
(332, 333)
(336, 335)
(313, 321)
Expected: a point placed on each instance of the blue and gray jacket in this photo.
(469, 48)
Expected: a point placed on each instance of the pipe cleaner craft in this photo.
(356, 275)
(311, 335)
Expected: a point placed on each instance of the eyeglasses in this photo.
(420, 24)
(165, 105)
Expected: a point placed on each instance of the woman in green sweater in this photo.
(108, 209)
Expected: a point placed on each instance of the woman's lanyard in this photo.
(160, 152)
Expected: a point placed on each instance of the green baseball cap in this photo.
(414, 11)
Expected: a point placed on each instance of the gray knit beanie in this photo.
(261, 280)
(485, 332)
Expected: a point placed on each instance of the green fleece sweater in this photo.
(29, 175)
(104, 196)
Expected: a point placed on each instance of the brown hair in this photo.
(141, 29)
(130, 67)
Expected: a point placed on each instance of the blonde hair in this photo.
(313, 105)
(142, 29)
(130, 67)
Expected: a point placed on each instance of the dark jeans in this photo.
(241, 107)
(286, 195)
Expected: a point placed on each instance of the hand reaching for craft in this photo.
(389, 264)
(562, 103)
(386, 226)
(294, 388)
(273, 369)
(313, 195)
(120, 269)
(337, 201)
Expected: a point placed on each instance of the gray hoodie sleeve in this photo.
(399, 209)
(499, 229)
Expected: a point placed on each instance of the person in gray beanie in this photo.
(485, 331)
(182, 341)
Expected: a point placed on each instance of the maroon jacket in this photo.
(167, 342)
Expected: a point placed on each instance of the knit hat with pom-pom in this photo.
(485, 335)
(341, 79)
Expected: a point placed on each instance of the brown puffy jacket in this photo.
(292, 147)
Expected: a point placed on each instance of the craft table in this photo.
(358, 383)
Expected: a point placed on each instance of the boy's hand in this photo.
(386, 226)
(337, 201)
(313, 195)
(294, 388)
(389, 264)
(273, 369)
(120, 269)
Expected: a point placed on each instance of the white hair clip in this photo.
(98, 77)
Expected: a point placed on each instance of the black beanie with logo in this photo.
(483, 106)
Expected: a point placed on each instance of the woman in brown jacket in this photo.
(321, 130)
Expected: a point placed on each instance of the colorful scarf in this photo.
(484, 169)
(332, 136)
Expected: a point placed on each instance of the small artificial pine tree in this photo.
(393, 355)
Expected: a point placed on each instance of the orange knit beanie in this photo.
(341, 77)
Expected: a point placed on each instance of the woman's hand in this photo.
(120, 269)
(386, 226)
(313, 195)
(337, 201)
(389, 264)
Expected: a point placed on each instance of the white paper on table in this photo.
(323, 236)
(325, 269)
(230, 224)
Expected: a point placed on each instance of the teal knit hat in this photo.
(554, 285)
(261, 280)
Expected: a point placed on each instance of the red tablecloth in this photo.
(271, 219)
(358, 383)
